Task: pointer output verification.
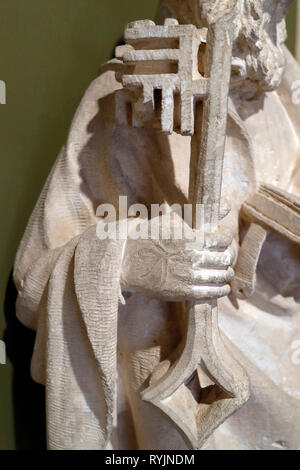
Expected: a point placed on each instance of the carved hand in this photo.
(180, 270)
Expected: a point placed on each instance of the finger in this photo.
(196, 293)
(211, 276)
(220, 239)
(213, 259)
(210, 292)
(204, 276)
(224, 209)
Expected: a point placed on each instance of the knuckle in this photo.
(226, 258)
(230, 273)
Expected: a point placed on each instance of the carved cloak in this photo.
(72, 308)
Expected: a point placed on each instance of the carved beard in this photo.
(258, 57)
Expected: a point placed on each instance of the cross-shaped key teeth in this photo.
(164, 58)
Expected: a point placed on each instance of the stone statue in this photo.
(197, 108)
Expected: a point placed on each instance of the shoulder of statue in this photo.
(106, 83)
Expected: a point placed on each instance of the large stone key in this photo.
(223, 386)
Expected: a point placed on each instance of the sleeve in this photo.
(69, 200)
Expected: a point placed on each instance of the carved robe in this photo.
(69, 290)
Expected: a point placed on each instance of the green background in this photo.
(50, 50)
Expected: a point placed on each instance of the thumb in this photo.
(224, 209)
